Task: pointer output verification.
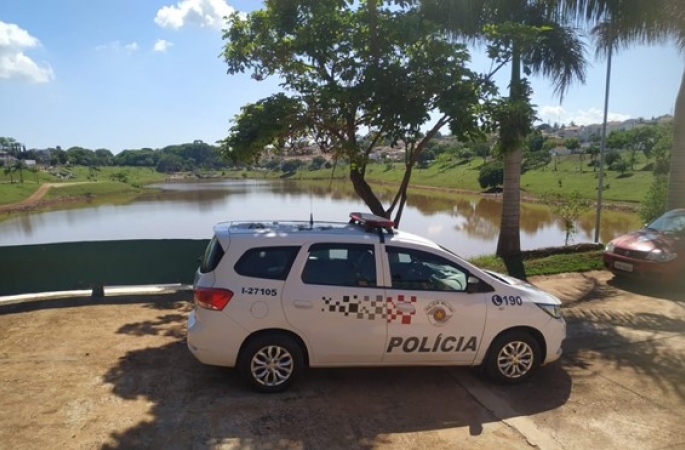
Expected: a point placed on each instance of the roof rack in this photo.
(372, 222)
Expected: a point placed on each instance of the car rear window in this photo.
(337, 264)
(212, 257)
(272, 263)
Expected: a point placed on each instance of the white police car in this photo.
(275, 298)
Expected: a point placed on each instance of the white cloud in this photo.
(552, 114)
(203, 13)
(161, 45)
(14, 64)
(132, 47)
(115, 46)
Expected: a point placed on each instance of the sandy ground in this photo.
(78, 373)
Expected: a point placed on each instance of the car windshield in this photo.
(672, 222)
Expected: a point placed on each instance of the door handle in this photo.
(303, 304)
(406, 307)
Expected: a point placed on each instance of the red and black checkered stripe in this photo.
(368, 307)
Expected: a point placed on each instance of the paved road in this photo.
(117, 374)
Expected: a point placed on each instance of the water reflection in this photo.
(468, 224)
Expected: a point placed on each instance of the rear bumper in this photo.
(213, 339)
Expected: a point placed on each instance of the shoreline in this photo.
(36, 202)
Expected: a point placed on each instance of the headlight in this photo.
(658, 255)
(609, 248)
(552, 310)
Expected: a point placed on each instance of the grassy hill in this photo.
(561, 175)
(564, 174)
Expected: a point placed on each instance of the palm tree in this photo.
(621, 23)
(9, 170)
(19, 166)
(528, 36)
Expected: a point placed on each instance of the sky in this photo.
(130, 74)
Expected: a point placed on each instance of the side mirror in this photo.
(475, 285)
(472, 284)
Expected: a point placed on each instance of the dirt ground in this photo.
(36, 199)
(115, 373)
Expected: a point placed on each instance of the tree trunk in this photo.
(676, 178)
(509, 243)
(363, 190)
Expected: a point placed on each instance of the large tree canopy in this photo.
(350, 68)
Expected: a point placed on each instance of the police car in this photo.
(273, 299)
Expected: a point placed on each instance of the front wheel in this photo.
(271, 363)
(513, 358)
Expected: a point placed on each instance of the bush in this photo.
(620, 166)
(611, 157)
(654, 203)
(491, 174)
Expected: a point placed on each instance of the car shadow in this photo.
(198, 406)
(625, 337)
(673, 291)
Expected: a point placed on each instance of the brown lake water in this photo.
(466, 224)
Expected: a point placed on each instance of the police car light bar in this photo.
(371, 220)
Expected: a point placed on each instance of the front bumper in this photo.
(641, 269)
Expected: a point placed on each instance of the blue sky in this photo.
(133, 74)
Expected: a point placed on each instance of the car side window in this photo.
(424, 271)
(340, 265)
(272, 263)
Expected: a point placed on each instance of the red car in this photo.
(656, 252)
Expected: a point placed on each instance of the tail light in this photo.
(215, 299)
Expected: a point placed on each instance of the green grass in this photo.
(16, 192)
(102, 182)
(548, 265)
(564, 175)
(92, 189)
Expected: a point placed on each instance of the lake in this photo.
(466, 224)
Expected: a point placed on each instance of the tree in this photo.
(34, 171)
(528, 35)
(19, 166)
(654, 203)
(622, 24)
(11, 146)
(9, 170)
(491, 175)
(593, 151)
(292, 165)
(342, 65)
(620, 165)
(79, 156)
(58, 157)
(572, 143)
(317, 163)
(568, 207)
(611, 157)
(103, 157)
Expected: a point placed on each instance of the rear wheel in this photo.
(271, 363)
(513, 358)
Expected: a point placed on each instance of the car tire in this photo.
(513, 358)
(271, 363)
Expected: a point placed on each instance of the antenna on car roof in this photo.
(311, 209)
